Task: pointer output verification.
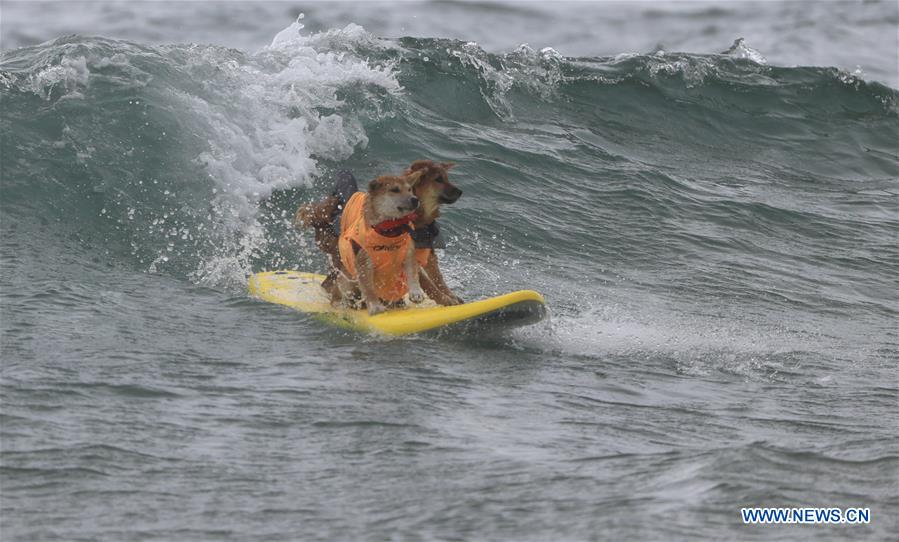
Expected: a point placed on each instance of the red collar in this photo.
(388, 226)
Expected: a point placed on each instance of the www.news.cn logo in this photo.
(806, 515)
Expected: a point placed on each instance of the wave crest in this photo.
(176, 146)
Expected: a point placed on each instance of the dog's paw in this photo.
(450, 300)
(376, 308)
(416, 296)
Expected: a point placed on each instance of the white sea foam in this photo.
(254, 124)
(267, 132)
(694, 344)
(537, 71)
(71, 74)
(739, 49)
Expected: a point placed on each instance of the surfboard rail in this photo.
(302, 291)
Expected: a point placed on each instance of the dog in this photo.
(377, 253)
(432, 189)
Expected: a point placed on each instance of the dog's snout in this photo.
(414, 201)
(450, 196)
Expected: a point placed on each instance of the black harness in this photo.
(428, 237)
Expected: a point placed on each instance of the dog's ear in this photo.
(448, 165)
(414, 177)
(419, 165)
(374, 185)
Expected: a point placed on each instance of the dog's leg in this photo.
(431, 289)
(343, 290)
(434, 284)
(366, 270)
(331, 286)
(411, 270)
(335, 269)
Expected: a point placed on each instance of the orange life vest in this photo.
(388, 254)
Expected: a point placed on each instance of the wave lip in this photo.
(174, 147)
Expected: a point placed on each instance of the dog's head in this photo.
(394, 196)
(434, 188)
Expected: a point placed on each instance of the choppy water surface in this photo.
(715, 232)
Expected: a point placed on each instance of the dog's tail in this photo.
(321, 214)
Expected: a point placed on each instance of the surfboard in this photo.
(303, 292)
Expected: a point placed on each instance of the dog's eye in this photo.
(439, 179)
(397, 190)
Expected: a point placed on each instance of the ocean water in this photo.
(713, 221)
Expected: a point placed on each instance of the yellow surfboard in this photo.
(302, 291)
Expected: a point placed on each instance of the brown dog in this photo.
(432, 189)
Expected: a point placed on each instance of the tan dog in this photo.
(377, 253)
(433, 189)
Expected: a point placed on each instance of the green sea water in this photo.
(716, 237)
